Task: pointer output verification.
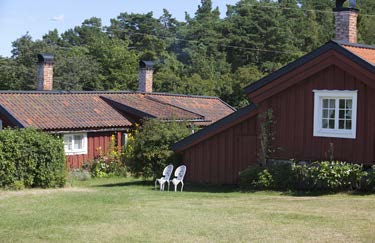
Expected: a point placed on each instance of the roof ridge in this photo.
(129, 109)
(330, 45)
(61, 92)
(183, 95)
(357, 45)
(140, 113)
(181, 108)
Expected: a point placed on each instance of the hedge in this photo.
(30, 158)
(317, 176)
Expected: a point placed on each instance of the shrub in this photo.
(321, 176)
(107, 164)
(282, 174)
(31, 158)
(368, 180)
(248, 176)
(149, 150)
(328, 176)
(263, 181)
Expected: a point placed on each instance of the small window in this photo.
(75, 143)
(335, 113)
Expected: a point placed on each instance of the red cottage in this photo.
(322, 106)
(88, 119)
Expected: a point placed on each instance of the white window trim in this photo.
(334, 94)
(77, 151)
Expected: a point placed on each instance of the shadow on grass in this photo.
(210, 188)
(307, 193)
(205, 188)
(323, 193)
(128, 183)
(188, 187)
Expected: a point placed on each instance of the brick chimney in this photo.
(346, 23)
(45, 72)
(146, 71)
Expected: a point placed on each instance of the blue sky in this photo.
(39, 16)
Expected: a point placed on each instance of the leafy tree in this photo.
(84, 34)
(260, 35)
(143, 31)
(150, 151)
(118, 64)
(74, 69)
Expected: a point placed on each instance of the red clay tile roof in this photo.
(365, 52)
(142, 106)
(60, 110)
(212, 108)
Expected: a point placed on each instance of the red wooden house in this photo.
(88, 119)
(323, 105)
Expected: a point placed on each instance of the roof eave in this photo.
(11, 118)
(214, 128)
(331, 45)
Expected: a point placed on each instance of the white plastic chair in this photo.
(179, 177)
(167, 172)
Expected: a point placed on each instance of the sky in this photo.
(37, 17)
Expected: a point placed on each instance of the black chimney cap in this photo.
(146, 64)
(45, 58)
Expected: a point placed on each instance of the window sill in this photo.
(349, 135)
(76, 153)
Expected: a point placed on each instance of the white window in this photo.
(335, 113)
(75, 143)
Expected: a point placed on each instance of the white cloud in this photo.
(58, 18)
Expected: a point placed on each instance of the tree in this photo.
(150, 151)
(118, 64)
(74, 69)
(144, 32)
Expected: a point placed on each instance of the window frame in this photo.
(319, 131)
(74, 151)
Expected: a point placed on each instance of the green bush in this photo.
(282, 174)
(368, 181)
(317, 176)
(149, 147)
(248, 176)
(107, 164)
(31, 158)
(328, 176)
(263, 181)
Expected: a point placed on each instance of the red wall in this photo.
(219, 159)
(94, 141)
(293, 112)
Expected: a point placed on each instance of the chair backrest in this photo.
(180, 172)
(167, 172)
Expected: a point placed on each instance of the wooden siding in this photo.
(293, 112)
(95, 140)
(219, 159)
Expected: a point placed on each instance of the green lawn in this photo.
(118, 210)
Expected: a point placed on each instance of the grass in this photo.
(129, 210)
